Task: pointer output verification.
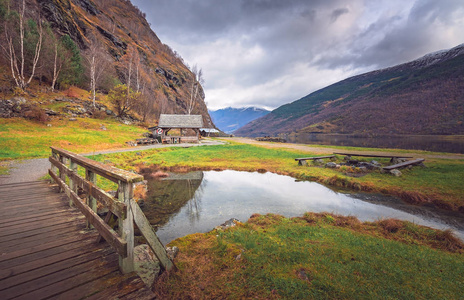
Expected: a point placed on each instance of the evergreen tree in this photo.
(74, 74)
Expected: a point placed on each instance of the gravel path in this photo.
(34, 169)
(325, 150)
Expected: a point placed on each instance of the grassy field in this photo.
(317, 256)
(20, 138)
(439, 183)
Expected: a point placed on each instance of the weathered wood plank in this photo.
(152, 239)
(59, 276)
(56, 251)
(404, 164)
(26, 266)
(62, 286)
(372, 155)
(5, 223)
(42, 246)
(29, 275)
(116, 207)
(34, 261)
(14, 245)
(121, 290)
(35, 232)
(126, 228)
(111, 173)
(53, 221)
(108, 234)
(314, 157)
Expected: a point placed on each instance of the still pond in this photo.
(182, 204)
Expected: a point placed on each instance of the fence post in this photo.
(72, 184)
(62, 174)
(54, 168)
(126, 227)
(91, 201)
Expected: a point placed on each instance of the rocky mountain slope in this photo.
(230, 119)
(424, 96)
(116, 28)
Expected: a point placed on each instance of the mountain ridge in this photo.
(423, 96)
(230, 119)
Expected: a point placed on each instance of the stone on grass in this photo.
(331, 165)
(396, 172)
(318, 162)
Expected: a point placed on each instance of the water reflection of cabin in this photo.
(186, 124)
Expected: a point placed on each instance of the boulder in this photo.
(146, 265)
(331, 165)
(318, 162)
(396, 172)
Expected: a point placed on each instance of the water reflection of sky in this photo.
(231, 194)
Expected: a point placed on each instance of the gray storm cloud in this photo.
(271, 52)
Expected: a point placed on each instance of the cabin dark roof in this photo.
(180, 121)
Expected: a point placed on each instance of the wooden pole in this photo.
(91, 201)
(126, 227)
(72, 184)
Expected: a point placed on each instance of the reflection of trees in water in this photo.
(194, 205)
(166, 197)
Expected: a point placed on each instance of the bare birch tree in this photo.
(18, 62)
(97, 64)
(195, 87)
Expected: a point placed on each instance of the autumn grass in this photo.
(440, 183)
(316, 256)
(20, 139)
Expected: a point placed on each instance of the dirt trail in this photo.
(34, 169)
(324, 150)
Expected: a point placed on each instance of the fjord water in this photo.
(199, 201)
(436, 143)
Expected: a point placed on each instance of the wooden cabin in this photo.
(187, 127)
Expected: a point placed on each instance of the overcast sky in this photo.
(267, 53)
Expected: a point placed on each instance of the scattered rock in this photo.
(103, 127)
(131, 143)
(347, 158)
(229, 223)
(51, 112)
(397, 160)
(72, 119)
(331, 165)
(172, 252)
(396, 172)
(49, 125)
(318, 162)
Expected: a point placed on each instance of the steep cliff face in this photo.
(116, 26)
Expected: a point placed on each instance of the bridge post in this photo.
(91, 201)
(126, 227)
(62, 174)
(72, 184)
(54, 168)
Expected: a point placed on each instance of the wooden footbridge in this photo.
(51, 243)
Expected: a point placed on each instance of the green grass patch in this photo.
(20, 139)
(318, 256)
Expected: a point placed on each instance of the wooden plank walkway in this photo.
(47, 253)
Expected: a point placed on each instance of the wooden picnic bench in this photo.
(302, 161)
(404, 164)
(373, 155)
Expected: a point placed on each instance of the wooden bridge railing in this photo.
(64, 166)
